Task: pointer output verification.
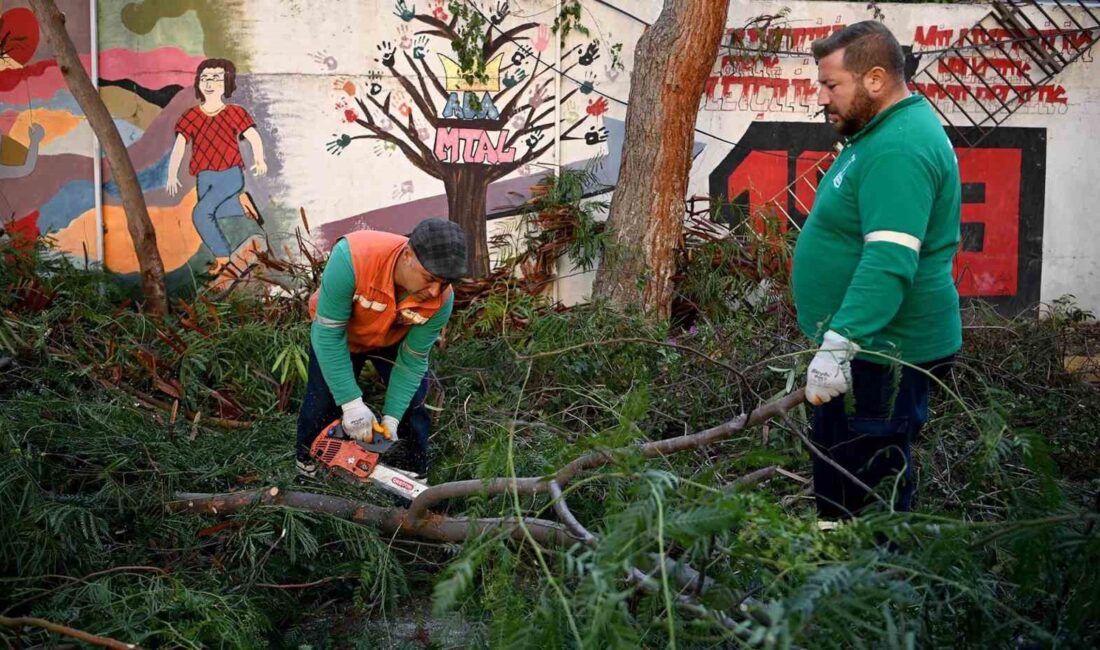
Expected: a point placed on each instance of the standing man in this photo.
(872, 276)
(384, 297)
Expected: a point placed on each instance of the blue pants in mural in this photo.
(218, 192)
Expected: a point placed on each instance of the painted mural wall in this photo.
(243, 115)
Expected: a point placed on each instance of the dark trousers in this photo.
(319, 409)
(872, 441)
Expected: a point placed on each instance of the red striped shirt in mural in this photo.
(214, 138)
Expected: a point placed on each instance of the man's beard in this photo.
(862, 111)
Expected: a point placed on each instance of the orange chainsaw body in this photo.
(336, 451)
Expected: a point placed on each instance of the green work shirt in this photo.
(330, 344)
(874, 261)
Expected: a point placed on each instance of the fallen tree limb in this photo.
(418, 522)
(388, 520)
(591, 460)
(57, 628)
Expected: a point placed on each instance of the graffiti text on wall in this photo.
(749, 79)
(1003, 192)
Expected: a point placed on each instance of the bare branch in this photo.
(440, 28)
(566, 515)
(65, 630)
(424, 160)
(423, 86)
(418, 522)
(388, 520)
(423, 102)
(495, 44)
(510, 108)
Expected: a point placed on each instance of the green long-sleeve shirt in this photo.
(328, 334)
(874, 261)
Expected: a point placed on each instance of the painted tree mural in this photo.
(466, 126)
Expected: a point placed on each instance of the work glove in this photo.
(830, 372)
(390, 423)
(358, 420)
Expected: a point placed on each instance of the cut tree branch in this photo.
(418, 522)
(388, 520)
(65, 630)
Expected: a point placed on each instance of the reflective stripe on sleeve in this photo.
(894, 237)
(328, 322)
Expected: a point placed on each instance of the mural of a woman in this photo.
(214, 129)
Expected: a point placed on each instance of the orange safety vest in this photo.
(377, 320)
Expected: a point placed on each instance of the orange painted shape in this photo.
(57, 123)
(177, 239)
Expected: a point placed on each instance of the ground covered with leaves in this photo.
(105, 415)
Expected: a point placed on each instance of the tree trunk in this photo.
(52, 23)
(466, 186)
(671, 65)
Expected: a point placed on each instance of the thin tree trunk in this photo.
(52, 23)
(671, 65)
(466, 186)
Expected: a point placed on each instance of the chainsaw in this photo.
(358, 461)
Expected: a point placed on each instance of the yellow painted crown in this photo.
(454, 81)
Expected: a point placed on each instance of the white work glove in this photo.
(830, 372)
(358, 420)
(390, 423)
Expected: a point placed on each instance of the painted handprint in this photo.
(375, 88)
(388, 52)
(612, 72)
(542, 38)
(500, 14)
(589, 84)
(406, 39)
(325, 59)
(404, 12)
(337, 146)
(533, 139)
(521, 54)
(420, 49)
(511, 80)
(591, 53)
(439, 12)
(597, 107)
(538, 95)
(595, 135)
(347, 86)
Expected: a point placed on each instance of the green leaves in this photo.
(293, 358)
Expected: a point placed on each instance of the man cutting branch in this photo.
(384, 297)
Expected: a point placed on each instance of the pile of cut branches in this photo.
(575, 501)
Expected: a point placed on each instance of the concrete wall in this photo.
(303, 67)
